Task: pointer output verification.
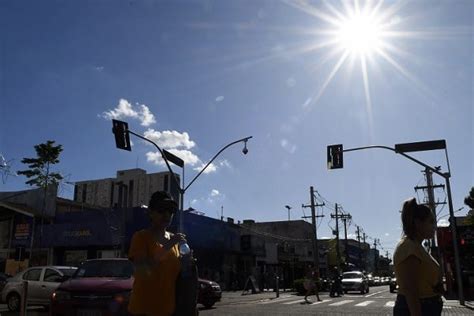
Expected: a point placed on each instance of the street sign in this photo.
(174, 159)
(420, 146)
(122, 138)
(335, 159)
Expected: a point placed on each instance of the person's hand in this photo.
(176, 239)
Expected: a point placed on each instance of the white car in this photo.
(42, 282)
(355, 281)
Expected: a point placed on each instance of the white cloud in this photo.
(291, 148)
(220, 98)
(214, 192)
(125, 110)
(170, 139)
(225, 163)
(147, 117)
(387, 234)
(211, 168)
(188, 157)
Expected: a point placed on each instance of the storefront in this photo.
(89, 234)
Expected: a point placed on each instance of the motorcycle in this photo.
(335, 288)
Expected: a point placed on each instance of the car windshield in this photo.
(105, 268)
(352, 276)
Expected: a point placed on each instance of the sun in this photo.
(359, 34)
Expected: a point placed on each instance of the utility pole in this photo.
(338, 253)
(364, 236)
(375, 255)
(360, 249)
(313, 222)
(344, 218)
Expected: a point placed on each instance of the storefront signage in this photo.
(77, 233)
(22, 231)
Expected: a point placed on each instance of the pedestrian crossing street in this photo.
(332, 302)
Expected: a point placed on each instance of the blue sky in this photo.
(196, 75)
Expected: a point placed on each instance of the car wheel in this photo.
(362, 290)
(367, 290)
(13, 302)
(208, 304)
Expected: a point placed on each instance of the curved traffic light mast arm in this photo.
(162, 155)
(215, 156)
(444, 175)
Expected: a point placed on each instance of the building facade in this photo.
(130, 188)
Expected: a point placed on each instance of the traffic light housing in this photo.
(335, 157)
(122, 138)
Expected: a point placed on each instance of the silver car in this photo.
(355, 281)
(42, 282)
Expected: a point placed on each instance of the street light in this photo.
(122, 141)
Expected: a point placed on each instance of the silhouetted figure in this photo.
(311, 283)
(418, 273)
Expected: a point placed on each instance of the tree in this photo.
(39, 172)
(469, 201)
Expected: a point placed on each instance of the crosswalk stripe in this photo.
(390, 304)
(276, 300)
(341, 303)
(294, 302)
(323, 301)
(365, 303)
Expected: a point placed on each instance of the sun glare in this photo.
(359, 34)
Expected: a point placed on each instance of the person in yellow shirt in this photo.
(155, 255)
(418, 273)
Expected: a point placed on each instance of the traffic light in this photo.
(122, 138)
(335, 158)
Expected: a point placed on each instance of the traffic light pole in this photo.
(446, 176)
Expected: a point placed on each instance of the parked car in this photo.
(103, 286)
(42, 282)
(99, 287)
(355, 281)
(209, 293)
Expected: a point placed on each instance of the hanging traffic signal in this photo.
(335, 158)
(122, 138)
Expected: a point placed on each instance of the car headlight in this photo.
(61, 295)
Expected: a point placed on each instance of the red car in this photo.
(100, 287)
